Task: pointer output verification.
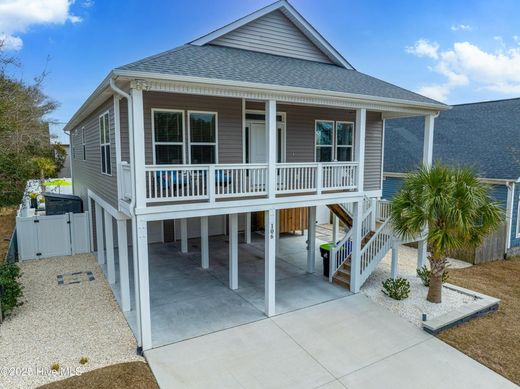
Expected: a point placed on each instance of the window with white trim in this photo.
(168, 137)
(344, 141)
(104, 140)
(203, 137)
(324, 140)
(83, 144)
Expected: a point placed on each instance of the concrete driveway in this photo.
(351, 342)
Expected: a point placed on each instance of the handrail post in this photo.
(332, 262)
(211, 183)
(319, 178)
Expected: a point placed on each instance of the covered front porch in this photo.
(187, 301)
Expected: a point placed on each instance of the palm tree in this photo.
(453, 205)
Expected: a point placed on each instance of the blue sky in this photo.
(455, 51)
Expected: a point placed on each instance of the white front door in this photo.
(257, 149)
(257, 145)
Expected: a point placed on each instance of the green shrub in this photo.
(398, 288)
(425, 274)
(10, 288)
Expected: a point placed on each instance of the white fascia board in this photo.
(281, 88)
(293, 15)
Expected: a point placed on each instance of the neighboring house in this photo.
(484, 136)
(260, 117)
(65, 170)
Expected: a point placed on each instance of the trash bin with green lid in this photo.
(325, 249)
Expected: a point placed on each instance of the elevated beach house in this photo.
(248, 128)
(484, 136)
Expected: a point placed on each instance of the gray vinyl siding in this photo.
(123, 126)
(275, 34)
(87, 174)
(373, 151)
(229, 121)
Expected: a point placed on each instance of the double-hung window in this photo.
(203, 137)
(334, 141)
(168, 136)
(104, 140)
(83, 144)
(324, 139)
(344, 141)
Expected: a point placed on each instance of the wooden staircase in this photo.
(341, 213)
(342, 275)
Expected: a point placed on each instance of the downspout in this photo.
(128, 98)
(509, 213)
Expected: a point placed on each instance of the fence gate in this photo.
(51, 236)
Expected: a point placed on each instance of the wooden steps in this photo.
(342, 275)
(341, 213)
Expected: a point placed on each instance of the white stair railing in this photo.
(339, 254)
(375, 250)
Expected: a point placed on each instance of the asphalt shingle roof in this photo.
(484, 136)
(218, 62)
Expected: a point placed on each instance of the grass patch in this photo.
(121, 376)
(492, 340)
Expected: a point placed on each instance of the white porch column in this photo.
(429, 120)
(270, 262)
(139, 159)
(357, 219)
(395, 259)
(335, 228)
(373, 215)
(233, 251)
(109, 241)
(311, 241)
(359, 145)
(204, 242)
(144, 285)
(99, 235)
(277, 231)
(184, 235)
(270, 142)
(422, 253)
(428, 140)
(248, 228)
(124, 277)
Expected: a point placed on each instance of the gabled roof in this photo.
(224, 63)
(484, 136)
(294, 16)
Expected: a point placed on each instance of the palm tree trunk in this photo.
(435, 289)
(437, 266)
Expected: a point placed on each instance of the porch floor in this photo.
(187, 301)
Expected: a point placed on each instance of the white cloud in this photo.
(16, 16)
(424, 48)
(8, 42)
(87, 4)
(466, 64)
(461, 27)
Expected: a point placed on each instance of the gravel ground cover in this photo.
(415, 305)
(62, 323)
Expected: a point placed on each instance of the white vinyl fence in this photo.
(49, 236)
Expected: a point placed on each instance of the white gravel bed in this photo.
(62, 323)
(415, 305)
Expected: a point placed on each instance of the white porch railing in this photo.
(339, 254)
(384, 207)
(126, 181)
(315, 177)
(211, 182)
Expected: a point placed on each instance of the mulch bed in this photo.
(493, 340)
(121, 376)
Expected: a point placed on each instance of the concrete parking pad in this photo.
(257, 355)
(351, 342)
(431, 364)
